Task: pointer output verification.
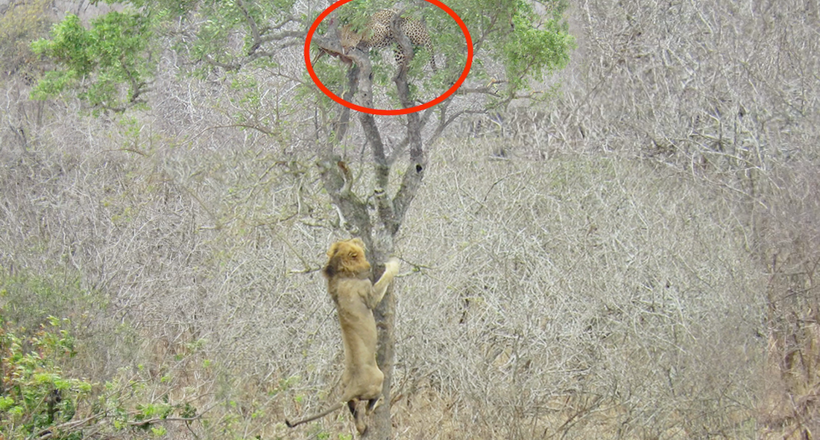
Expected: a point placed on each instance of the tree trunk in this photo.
(377, 233)
(380, 426)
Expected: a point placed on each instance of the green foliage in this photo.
(38, 353)
(530, 39)
(530, 51)
(110, 64)
(38, 396)
(516, 42)
(220, 22)
(357, 13)
(34, 392)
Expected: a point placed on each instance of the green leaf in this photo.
(113, 55)
(6, 403)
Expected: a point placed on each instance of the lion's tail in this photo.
(333, 408)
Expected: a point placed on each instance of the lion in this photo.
(348, 283)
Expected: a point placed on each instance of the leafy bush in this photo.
(37, 398)
(113, 52)
(35, 394)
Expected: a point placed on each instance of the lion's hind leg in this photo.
(358, 415)
(372, 404)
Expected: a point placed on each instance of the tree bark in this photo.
(380, 426)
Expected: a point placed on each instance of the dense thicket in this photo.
(632, 259)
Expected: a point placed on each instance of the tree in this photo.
(111, 66)
(115, 49)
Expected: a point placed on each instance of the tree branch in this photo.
(418, 161)
(251, 23)
(336, 175)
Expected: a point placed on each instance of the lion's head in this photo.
(346, 258)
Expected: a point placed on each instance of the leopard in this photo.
(378, 34)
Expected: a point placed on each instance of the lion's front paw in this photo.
(392, 265)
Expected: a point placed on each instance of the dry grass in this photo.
(633, 260)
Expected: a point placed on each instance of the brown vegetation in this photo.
(634, 259)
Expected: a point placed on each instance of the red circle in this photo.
(397, 112)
